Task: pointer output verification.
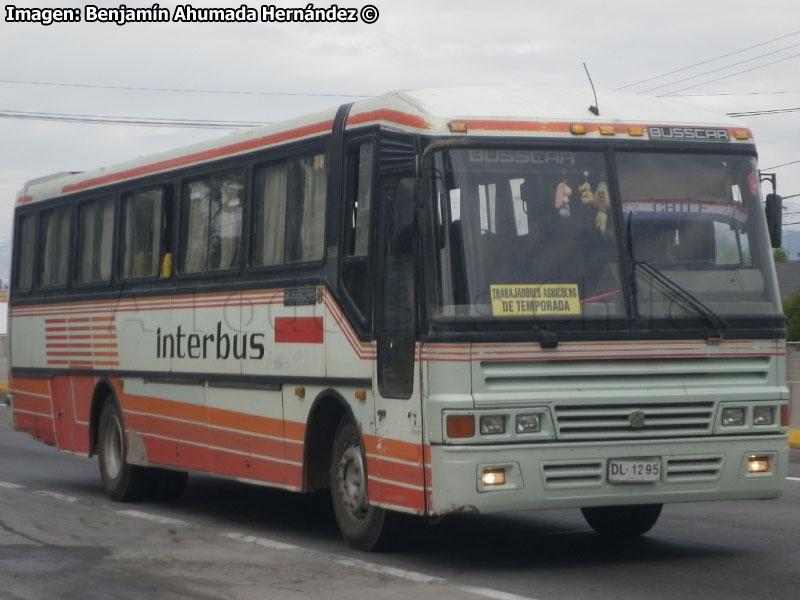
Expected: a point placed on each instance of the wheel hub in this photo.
(112, 446)
(352, 482)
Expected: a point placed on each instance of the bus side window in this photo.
(305, 209)
(143, 223)
(289, 211)
(95, 239)
(355, 270)
(26, 252)
(211, 215)
(54, 247)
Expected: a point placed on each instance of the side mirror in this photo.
(774, 212)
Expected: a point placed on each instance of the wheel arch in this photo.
(327, 411)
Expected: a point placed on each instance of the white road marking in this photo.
(137, 514)
(372, 567)
(57, 496)
(793, 478)
(10, 486)
(493, 594)
(259, 541)
(392, 571)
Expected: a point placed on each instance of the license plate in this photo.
(634, 470)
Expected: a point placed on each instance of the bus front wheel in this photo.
(363, 526)
(622, 521)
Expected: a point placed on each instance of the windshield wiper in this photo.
(718, 324)
(716, 321)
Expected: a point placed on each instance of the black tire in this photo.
(622, 522)
(362, 525)
(122, 482)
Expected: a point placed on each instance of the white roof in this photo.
(497, 110)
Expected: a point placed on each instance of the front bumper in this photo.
(540, 476)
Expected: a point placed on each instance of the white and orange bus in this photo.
(429, 302)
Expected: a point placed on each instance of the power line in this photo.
(710, 60)
(731, 75)
(124, 120)
(741, 62)
(756, 113)
(181, 90)
(794, 162)
(732, 94)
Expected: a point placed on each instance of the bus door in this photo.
(398, 416)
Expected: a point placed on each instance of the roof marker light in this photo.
(577, 129)
(635, 131)
(608, 130)
(741, 134)
(457, 127)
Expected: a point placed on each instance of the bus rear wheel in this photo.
(362, 525)
(122, 481)
(622, 522)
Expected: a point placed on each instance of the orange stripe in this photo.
(527, 126)
(178, 430)
(294, 452)
(205, 155)
(396, 472)
(33, 386)
(392, 116)
(165, 408)
(387, 494)
(407, 451)
(41, 428)
(295, 431)
(246, 422)
(34, 404)
(177, 454)
(250, 444)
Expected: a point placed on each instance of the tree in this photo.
(780, 255)
(791, 308)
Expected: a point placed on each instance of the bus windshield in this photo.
(533, 233)
(696, 220)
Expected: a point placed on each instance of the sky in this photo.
(731, 56)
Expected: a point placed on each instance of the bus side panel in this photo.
(166, 423)
(246, 435)
(64, 411)
(33, 408)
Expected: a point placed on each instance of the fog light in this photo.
(758, 464)
(493, 425)
(763, 415)
(529, 423)
(733, 417)
(493, 477)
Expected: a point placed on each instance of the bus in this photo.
(472, 299)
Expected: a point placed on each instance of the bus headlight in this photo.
(763, 415)
(493, 425)
(733, 417)
(529, 423)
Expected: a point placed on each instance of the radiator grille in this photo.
(639, 420)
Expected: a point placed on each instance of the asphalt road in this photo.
(60, 538)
